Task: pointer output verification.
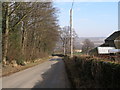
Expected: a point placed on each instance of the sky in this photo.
(90, 19)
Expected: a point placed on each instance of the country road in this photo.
(50, 74)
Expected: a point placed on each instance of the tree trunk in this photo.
(6, 36)
(24, 37)
(64, 49)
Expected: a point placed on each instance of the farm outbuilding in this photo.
(112, 43)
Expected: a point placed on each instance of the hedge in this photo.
(104, 74)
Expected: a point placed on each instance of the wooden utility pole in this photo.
(71, 34)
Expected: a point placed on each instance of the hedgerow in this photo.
(101, 73)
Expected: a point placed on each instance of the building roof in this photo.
(113, 36)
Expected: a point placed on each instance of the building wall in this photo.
(110, 43)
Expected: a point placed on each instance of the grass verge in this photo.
(9, 69)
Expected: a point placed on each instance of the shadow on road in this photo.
(55, 77)
(55, 59)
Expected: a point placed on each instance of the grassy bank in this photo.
(9, 69)
(89, 72)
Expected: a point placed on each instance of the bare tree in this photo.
(65, 38)
(29, 30)
(10, 14)
(87, 46)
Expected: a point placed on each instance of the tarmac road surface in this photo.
(50, 74)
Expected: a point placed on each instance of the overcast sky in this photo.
(90, 19)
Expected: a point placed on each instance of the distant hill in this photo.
(96, 40)
(78, 42)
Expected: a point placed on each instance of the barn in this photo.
(111, 46)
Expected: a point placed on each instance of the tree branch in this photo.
(14, 10)
(24, 16)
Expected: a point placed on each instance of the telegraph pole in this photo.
(71, 34)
